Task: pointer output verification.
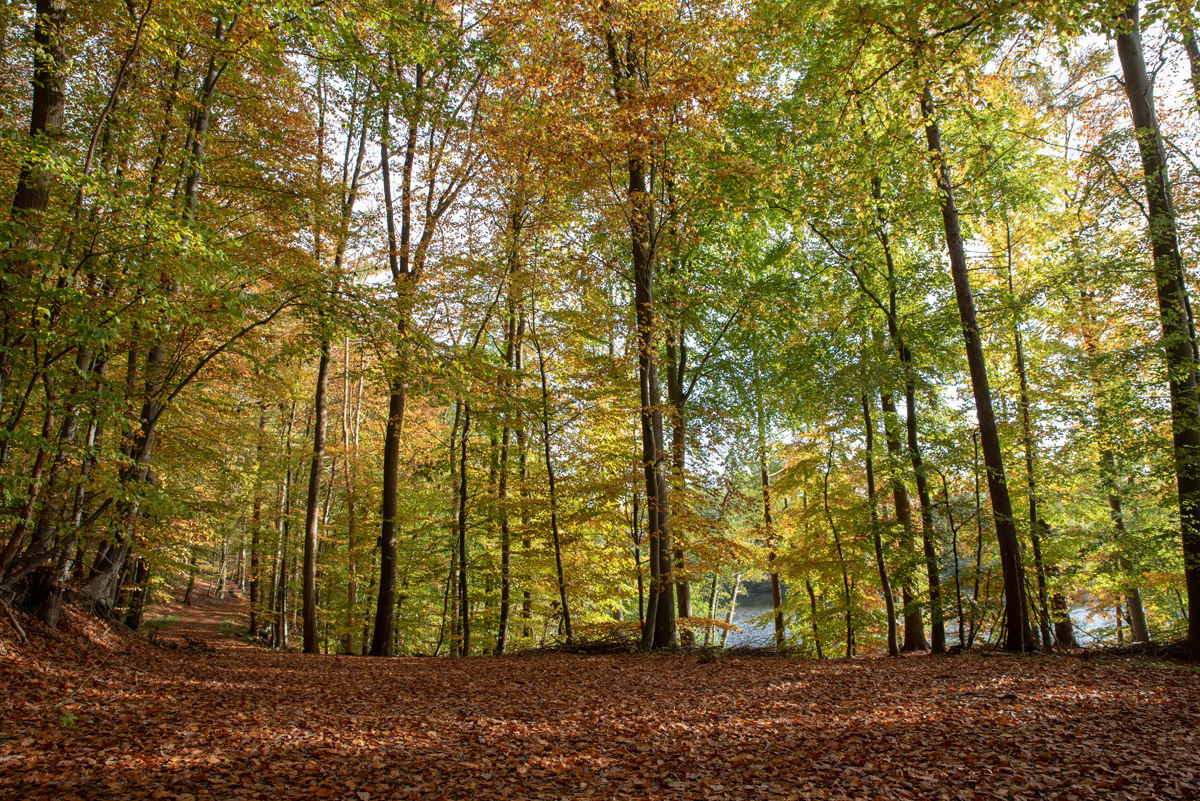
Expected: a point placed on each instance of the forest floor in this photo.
(92, 712)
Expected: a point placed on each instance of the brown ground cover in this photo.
(93, 713)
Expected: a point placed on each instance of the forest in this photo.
(433, 328)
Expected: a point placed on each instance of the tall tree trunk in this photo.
(636, 534)
(383, 638)
(1036, 525)
(962, 629)
(1017, 634)
(677, 353)
(463, 599)
(914, 624)
(348, 198)
(312, 644)
(558, 561)
(937, 626)
(280, 631)
(385, 611)
(876, 537)
(526, 499)
(514, 330)
(847, 583)
(975, 602)
(1187, 30)
(659, 628)
(191, 585)
(47, 116)
(933, 572)
(769, 531)
(256, 526)
(99, 589)
(351, 472)
(1172, 303)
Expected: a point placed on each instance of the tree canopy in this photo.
(460, 328)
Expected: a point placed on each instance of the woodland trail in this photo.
(209, 620)
(92, 713)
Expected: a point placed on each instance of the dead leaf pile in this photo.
(91, 714)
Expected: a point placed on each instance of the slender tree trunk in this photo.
(191, 585)
(350, 448)
(975, 602)
(312, 505)
(635, 532)
(812, 603)
(1173, 306)
(677, 353)
(1064, 630)
(1018, 636)
(847, 583)
(933, 573)
(937, 626)
(769, 531)
(659, 628)
(463, 598)
(962, 631)
(712, 609)
(876, 537)
(1036, 525)
(1190, 45)
(256, 526)
(558, 561)
(526, 500)
(737, 585)
(914, 624)
(514, 329)
(285, 526)
(385, 612)
(222, 568)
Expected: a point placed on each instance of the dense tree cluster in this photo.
(458, 328)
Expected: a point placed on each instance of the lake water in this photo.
(1088, 627)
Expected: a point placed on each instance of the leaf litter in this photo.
(93, 713)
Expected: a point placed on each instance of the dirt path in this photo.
(94, 714)
(208, 619)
